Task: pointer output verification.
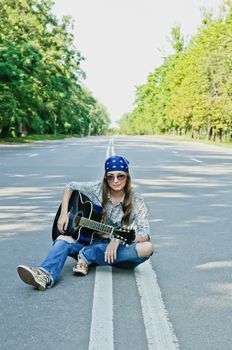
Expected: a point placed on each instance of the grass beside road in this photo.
(33, 138)
(185, 138)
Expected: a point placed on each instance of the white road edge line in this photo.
(159, 330)
(102, 331)
(101, 334)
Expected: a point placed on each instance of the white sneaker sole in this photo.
(28, 277)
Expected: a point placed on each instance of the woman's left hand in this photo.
(111, 250)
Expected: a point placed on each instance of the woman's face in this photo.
(116, 180)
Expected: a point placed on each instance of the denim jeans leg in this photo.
(94, 254)
(57, 256)
(127, 256)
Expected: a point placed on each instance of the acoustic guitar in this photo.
(85, 219)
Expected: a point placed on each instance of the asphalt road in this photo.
(188, 189)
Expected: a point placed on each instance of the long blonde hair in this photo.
(127, 203)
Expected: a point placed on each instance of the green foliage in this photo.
(40, 76)
(99, 120)
(177, 39)
(191, 90)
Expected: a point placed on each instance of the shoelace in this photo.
(42, 276)
(82, 265)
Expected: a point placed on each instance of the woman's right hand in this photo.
(62, 223)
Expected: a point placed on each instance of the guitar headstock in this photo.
(125, 234)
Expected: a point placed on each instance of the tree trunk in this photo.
(210, 133)
(214, 134)
(220, 134)
(5, 131)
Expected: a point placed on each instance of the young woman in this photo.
(121, 206)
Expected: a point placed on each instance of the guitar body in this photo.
(79, 206)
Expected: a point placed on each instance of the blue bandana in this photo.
(116, 163)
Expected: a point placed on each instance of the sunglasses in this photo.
(119, 177)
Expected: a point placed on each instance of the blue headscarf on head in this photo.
(116, 163)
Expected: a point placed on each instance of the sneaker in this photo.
(33, 276)
(81, 267)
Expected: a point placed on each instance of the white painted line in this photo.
(159, 331)
(110, 149)
(196, 160)
(175, 152)
(101, 333)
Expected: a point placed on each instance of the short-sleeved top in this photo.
(139, 218)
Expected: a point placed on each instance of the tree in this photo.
(40, 75)
(191, 90)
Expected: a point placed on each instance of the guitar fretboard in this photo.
(95, 225)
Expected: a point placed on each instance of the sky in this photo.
(123, 40)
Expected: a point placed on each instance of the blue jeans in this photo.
(127, 256)
(57, 256)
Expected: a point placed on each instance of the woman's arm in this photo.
(141, 220)
(90, 189)
(63, 220)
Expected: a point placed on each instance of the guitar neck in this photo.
(95, 225)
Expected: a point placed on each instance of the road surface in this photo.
(181, 298)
